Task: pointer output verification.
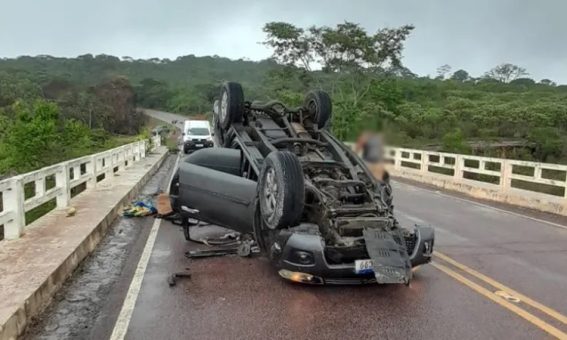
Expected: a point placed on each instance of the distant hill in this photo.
(449, 111)
(184, 71)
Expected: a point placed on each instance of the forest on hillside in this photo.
(47, 119)
(501, 113)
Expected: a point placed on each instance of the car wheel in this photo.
(281, 190)
(231, 104)
(318, 103)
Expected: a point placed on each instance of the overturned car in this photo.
(309, 202)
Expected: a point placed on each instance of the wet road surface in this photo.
(243, 298)
(497, 275)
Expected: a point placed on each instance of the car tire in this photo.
(228, 139)
(318, 103)
(231, 108)
(281, 190)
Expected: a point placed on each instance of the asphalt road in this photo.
(167, 117)
(496, 274)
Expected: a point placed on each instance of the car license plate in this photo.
(199, 145)
(363, 266)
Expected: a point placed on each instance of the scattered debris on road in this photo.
(71, 211)
(172, 279)
(140, 208)
(163, 204)
(201, 253)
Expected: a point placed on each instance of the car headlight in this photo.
(300, 277)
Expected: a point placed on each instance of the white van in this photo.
(197, 135)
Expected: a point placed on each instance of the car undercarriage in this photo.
(308, 200)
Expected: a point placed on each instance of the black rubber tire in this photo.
(318, 103)
(287, 172)
(228, 139)
(235, 104)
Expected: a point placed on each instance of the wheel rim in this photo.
(224, 106)
(270, 193)
(312, 107)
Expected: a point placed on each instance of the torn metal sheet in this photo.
(390, 260)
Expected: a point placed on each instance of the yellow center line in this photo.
(549, 311)
(502, 302)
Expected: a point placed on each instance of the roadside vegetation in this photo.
(46, 119)
(502, 113)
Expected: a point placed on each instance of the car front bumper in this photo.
(189, 146)
(320, 271)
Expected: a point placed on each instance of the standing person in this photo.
(372, 148)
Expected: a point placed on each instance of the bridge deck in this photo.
(234, 297)
(497, 274)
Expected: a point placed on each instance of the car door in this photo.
(211, 190)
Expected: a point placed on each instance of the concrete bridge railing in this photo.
(22, 193)
(540, 186)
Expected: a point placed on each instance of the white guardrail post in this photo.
(458, 170)
(424, 166)
(13, 203)
(62, 182)
(85, 170)
(143, 149)
(91, 172)
(506, 174)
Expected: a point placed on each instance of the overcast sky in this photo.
(471, 34)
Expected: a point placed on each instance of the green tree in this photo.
(523, 82)
(442, 71)
(347, 52)
(460, 75)
(547, 82)
(32, 139)
(454, 141)
(506, 72)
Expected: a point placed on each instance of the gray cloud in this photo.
(473, 35)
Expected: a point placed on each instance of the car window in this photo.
(198, 131)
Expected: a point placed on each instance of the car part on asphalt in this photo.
(243, 248)
(193, 254)
(310, 202)
(172, 279)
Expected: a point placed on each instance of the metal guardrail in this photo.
(502, 175)
(57, 181)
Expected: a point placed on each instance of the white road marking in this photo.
(123, 321)
(557, 225)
